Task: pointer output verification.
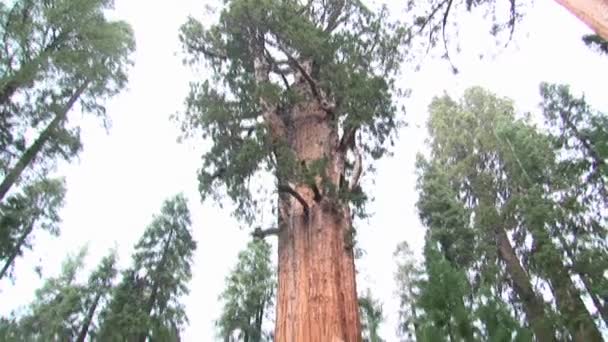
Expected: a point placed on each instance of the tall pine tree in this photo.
(58, 56)
(489, 192)
(249, 295)
(146, 303)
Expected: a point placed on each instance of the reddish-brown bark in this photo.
(317, 297)
(594, 13)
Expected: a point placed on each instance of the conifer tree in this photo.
(490, 187)
(57, 56)
(146, 303)
(301, 92)
(249, 295)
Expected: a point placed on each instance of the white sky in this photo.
(122, 177)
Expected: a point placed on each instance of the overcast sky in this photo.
(123, 176)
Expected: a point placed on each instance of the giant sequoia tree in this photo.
(301, 91)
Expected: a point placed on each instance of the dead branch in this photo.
(260, 233)
(326, 105)
(358, 168)
(287, 189)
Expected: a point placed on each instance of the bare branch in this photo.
(269, 111)
(200, 48)
(358, 168)
(296, 195)
(334, 19)
(276, 68)
(348, 138)
(318, 196)
(326, 105)
(260, 233)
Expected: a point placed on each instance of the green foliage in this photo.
(490, 172)
(248, 296)
(52, 47)
(56, 311)
(371, 317)
(56, 54)
(146, 303)
(578, 133)
(34, 208)
(352, 54)
(596, 43)
(63, 304)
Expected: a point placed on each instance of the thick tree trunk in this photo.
(594, 13)
(317, 297)
(532, 303)
(579, 322)
(13, 175)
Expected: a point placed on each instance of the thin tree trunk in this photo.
(317, 297)
(417, 335)
(533, 305)
(155, 285)
(579, 322)
(29, 155)
(596, 301)
(17, 249)
(594, 13)
(82, 335)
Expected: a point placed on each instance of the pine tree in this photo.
(371, 317)
(248, 296)
(58, 55)
(579, 134)
(64, 308)
(97, 292)
(407, 278)
(301, 93)
(35, 208)
(55, 314)
(146, 303)
(496, 176)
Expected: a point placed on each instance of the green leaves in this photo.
(55, 54)
(269, 60)
(492, 175)
(36, 207)
(371, 317)
(146, 303)
(248, 295)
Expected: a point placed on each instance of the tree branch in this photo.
(296, 195)
(334, 19)
(326, 105)
(269, 112)
(260, 233)
(275, 67)
(358, 168)
(348, 138)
